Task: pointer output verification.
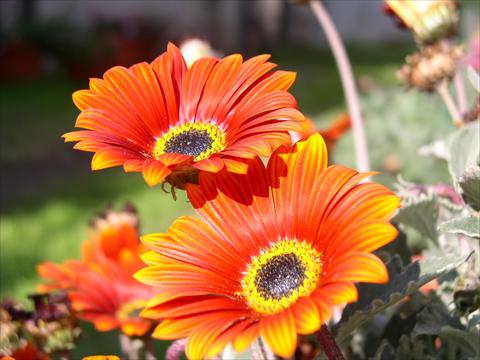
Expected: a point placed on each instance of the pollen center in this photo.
(199, 140)
(280, 275)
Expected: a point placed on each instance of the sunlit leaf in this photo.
(464, 224)
(421, 214)
(469, 182)
(464, 149)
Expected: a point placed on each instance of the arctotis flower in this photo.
(274, 251)
(170, 122)
(100, 285)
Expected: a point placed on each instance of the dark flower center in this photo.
(280, 276)
(191, 142)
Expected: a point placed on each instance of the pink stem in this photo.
(348, 83)
(442, 89)
(460, 89)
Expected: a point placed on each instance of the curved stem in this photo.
(348, 83)
(460, 89)
(442, 89)
(329, 345)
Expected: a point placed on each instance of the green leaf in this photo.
(469, 182)
(432, 318)
(464, 224)
(420, 214)
(464, 149)
(460, 344)
(375, 298)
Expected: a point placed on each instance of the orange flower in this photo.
(429, 20)
(170, 122)
(275, 250)
(100, 285)
(339, 126)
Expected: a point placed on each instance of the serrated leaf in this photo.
(375, 298)
(469, 182)
(420, 214)
(460, 344)
(431, 320)
(464, 224)
(464, 150)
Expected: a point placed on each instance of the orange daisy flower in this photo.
(274, 250)
(169, 121)
(100, 285)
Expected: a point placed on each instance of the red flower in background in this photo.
(170, 122)
(100, 285)
(275, 250)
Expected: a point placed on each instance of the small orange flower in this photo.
(274, 251)
(170, 122)
(339, 126)
(100, 285)
(429, 20)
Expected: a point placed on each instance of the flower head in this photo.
(274, 250)
(170, 122)
(100, 285)
(429, 20)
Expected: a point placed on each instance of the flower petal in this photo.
(307, 317)
(356, 267)
(154, 172)
(279, 333)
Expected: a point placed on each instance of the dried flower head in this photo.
(433, 64)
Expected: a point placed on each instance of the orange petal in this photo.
(364, 236)
(226, 337)
(294, 174)
(307, 317)
(279, 333)
(324, 305)
(211, 165)
(243, 340)
(155, 172)
(340, 292)
(109, 157)
(235, 166)
(203, 337)
(356, 267)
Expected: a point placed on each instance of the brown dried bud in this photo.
(432, 65)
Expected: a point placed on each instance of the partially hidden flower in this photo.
(194, 49)
(429, 20)
(170, 122)
(330, 134)
(100, 285)
(273, 252)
